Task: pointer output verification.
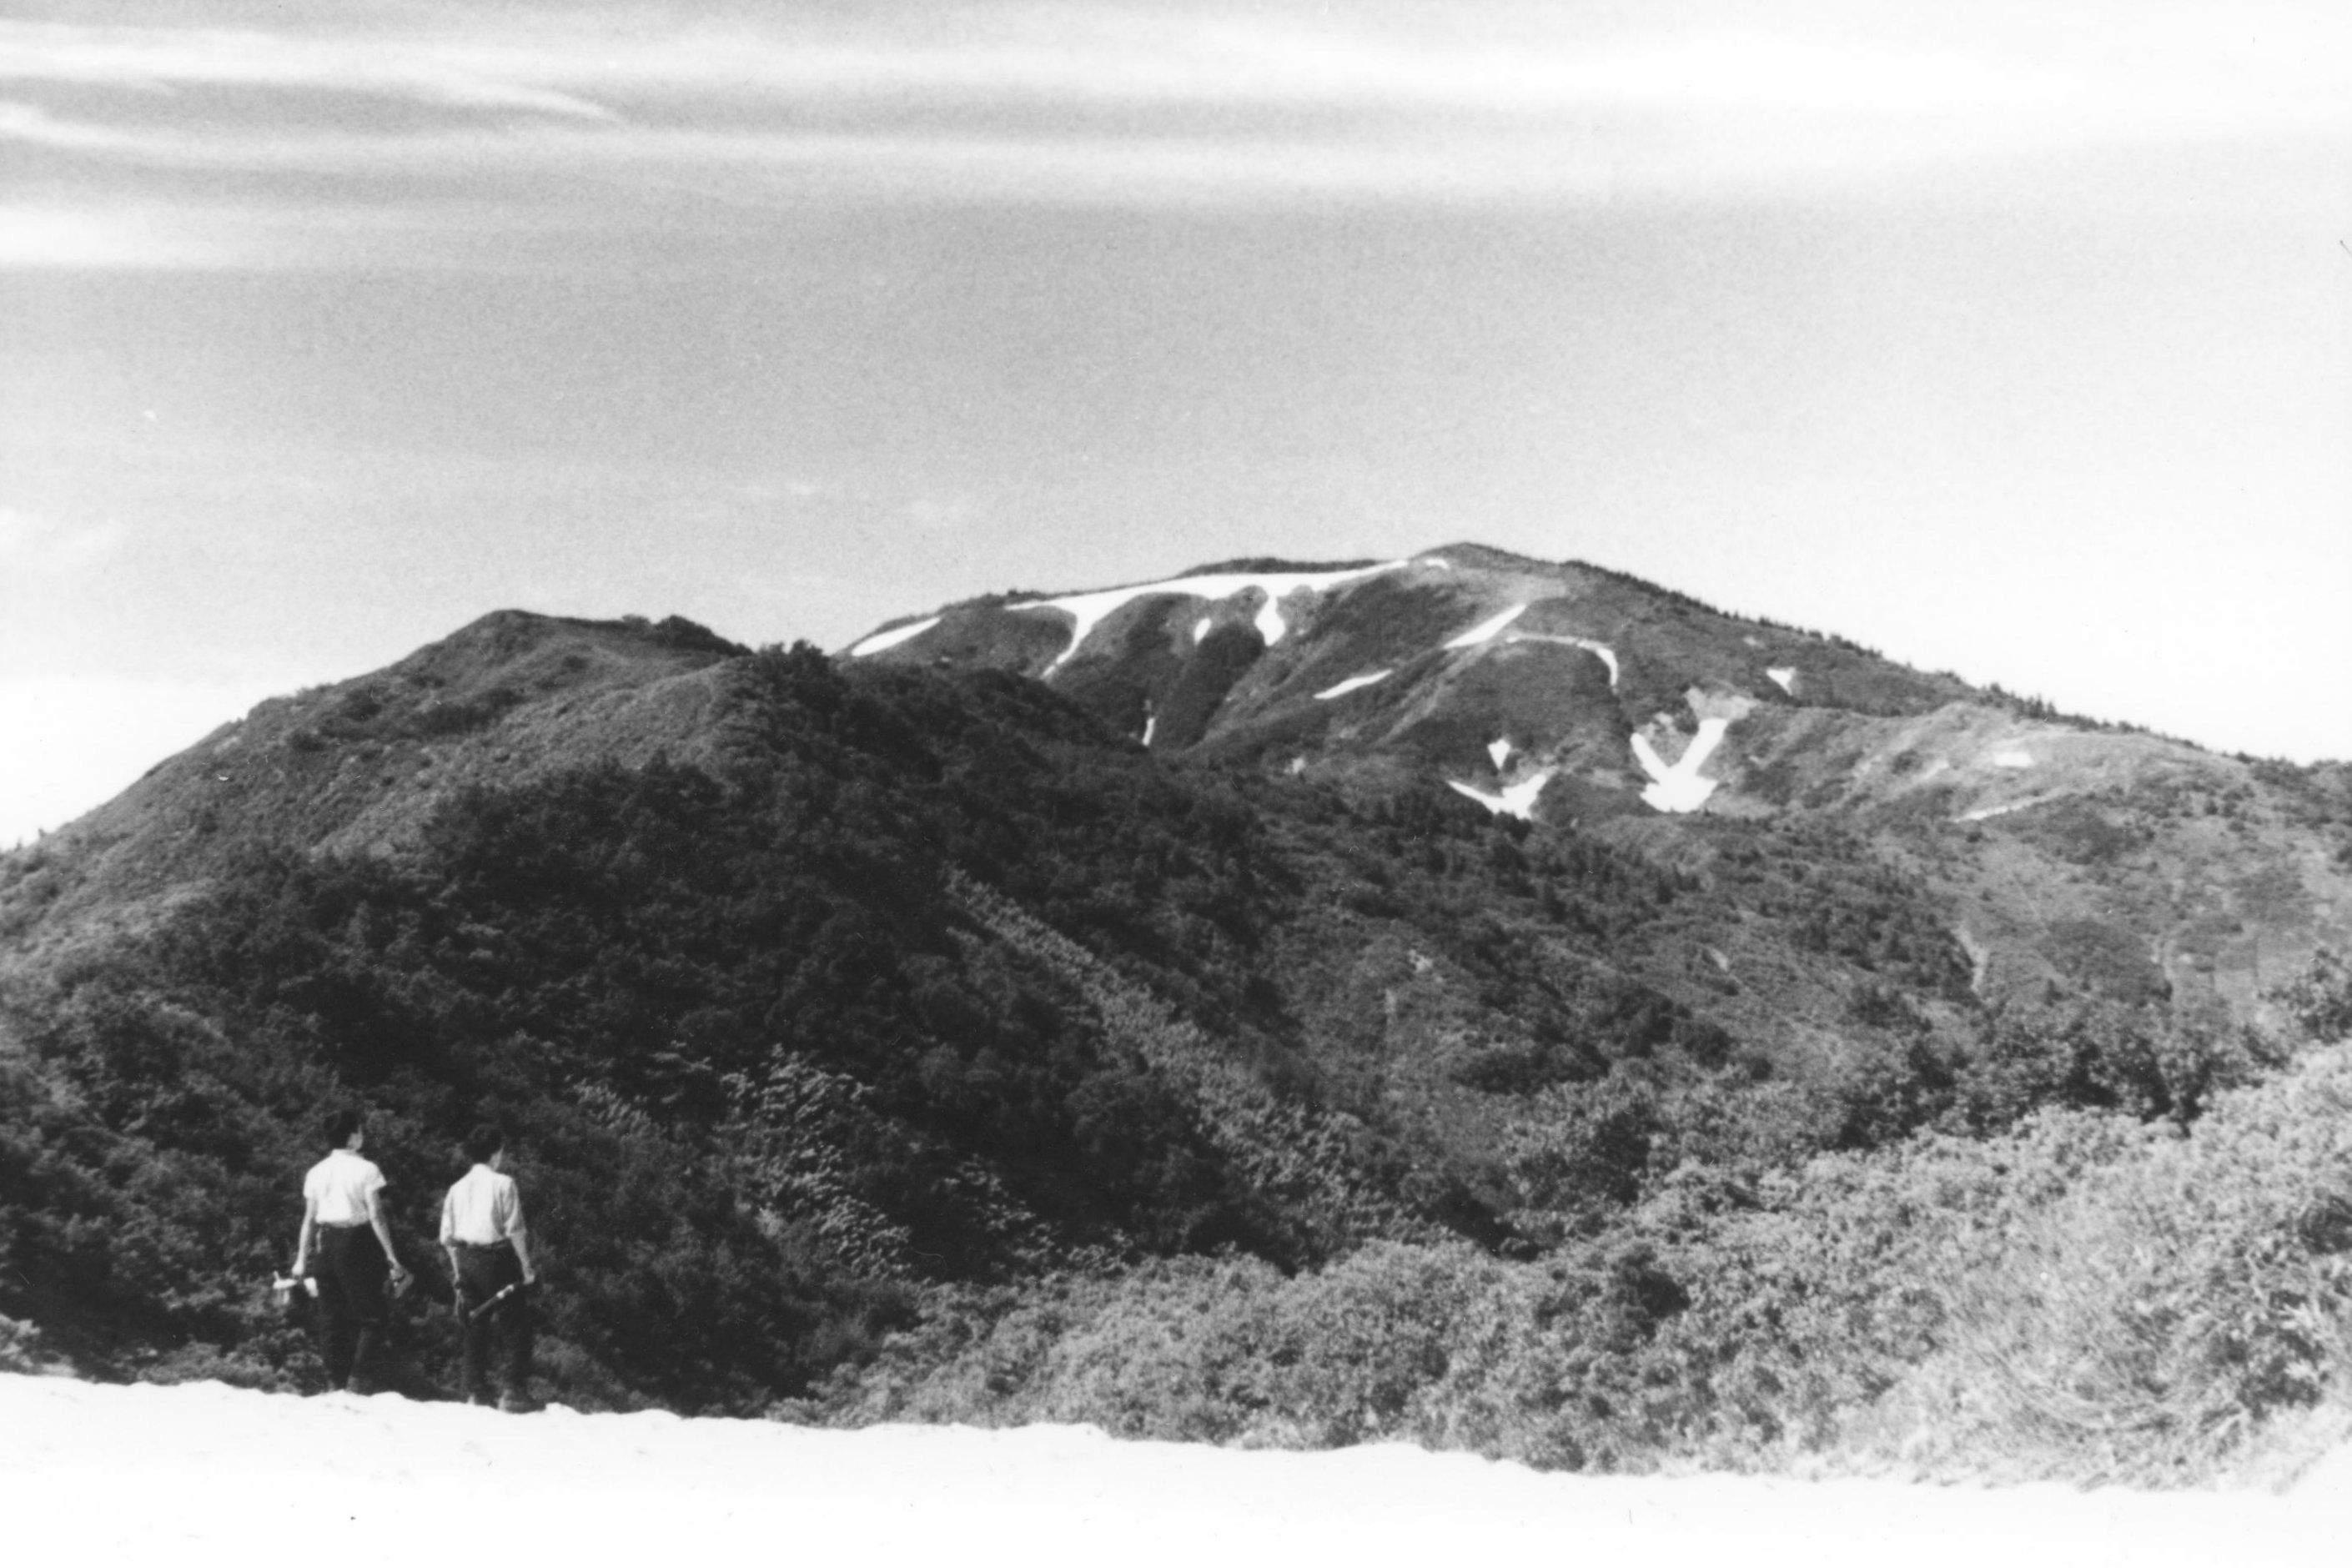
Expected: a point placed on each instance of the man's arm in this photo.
(520, 1240)
(310, 1229)
(519, 1236)
(384, 1236)
(450, 1245)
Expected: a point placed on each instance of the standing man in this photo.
(490, 1252)
(341, 1205)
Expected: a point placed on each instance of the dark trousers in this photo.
(482, 1273)
(351, 1272)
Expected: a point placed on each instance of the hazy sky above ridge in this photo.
(2014, 339)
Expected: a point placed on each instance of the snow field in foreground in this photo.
(92, 1472)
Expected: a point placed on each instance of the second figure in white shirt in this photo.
(483, 1232)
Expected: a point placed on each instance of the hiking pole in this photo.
(496, 1301)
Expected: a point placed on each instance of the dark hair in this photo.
(340, 1125)
(484, 1141)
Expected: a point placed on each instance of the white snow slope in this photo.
(1087, 610)
(1353, 683)
(1680, 787)
(1485, 631)
(1601, 650)
(1516, 800)
(203, 1473)
(892, 638)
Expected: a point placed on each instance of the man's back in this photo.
(483, 1207)
(342, 1184)
(489, 1261)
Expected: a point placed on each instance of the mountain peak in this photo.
(1572, 694)
(1593, 680)
(359, 764)
(1273, 564)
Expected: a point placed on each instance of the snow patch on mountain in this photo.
(1501, 752)
(1785, 677)
(1679, 787)
(1495, 626)
(879, 641)
(1983, 813)
(2013, 759)
(1607, 654)
(1353, 683)
(1201, 627)
(1087, 610)
(1485, 631)
(1516, 800)
(1437, 560)
(1150, 723)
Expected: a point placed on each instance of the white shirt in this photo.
(485, 1207)
(342, 1184)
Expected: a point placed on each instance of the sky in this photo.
(2010, 339)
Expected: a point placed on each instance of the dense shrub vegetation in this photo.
(767, 1058)
(927, 1050)
(2085, 1296)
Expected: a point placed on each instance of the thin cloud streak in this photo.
(606, 121)
(163, 60)
(1524, 61)
(1466, 162)
(1999, 91)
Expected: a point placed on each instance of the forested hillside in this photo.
(881, 1040)
(777, 1031)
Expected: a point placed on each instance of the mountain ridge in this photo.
(1585, 694)
(998, 956)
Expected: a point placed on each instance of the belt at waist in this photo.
(478, 1245)
(343, 1225)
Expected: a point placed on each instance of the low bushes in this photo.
(2148, 1321)
(1437, 1344)
(2086, 1297)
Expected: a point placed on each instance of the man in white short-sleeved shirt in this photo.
(340, 1207)
(489, 1262)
